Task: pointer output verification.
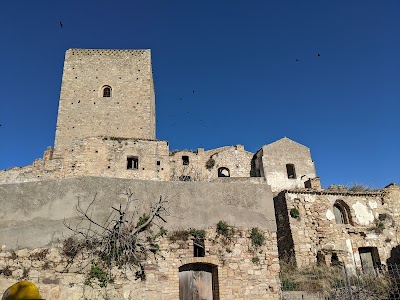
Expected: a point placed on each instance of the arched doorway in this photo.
(198, 281)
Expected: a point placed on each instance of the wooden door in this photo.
(196, 282)
(367, 261)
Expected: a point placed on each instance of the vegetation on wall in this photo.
(360, 188)
(294, 213)
(125, 240)
(183, 235)
(224, 229)
(210, 163)
(257, 237)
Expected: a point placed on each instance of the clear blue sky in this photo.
(240, 59)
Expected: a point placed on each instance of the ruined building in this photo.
(106, 141)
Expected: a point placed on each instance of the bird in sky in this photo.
(319, 54)
(61, 24)
(193, 92)
(297, 59)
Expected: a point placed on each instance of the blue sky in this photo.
(240, 59)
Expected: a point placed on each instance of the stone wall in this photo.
(84, 112)
(231, 161)
(108, 157)
(242, 271)
(277, 155)
(316, 233)
(32, 213)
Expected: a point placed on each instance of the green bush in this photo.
(224, 229)
(294, 213)
(179, 235)
(255, 260)
(210, 163)
(97, 272)
(257, 237)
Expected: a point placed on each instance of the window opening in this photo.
(184, 178)
(132, 163)
(185, 160)
(291, 173)
(341, 212)
(158, 162)
(198, 248)
(106, 91)
(335, 259)
(224, 172)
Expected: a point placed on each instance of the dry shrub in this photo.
(331, 282)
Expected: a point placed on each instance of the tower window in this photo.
(132, 163)
(106, 91)
(291, 172)
(185, 160)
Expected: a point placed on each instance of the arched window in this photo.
(106, 91)
(291, 172)
(341, 212)
(223, 172)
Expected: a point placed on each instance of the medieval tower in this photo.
(105, 93)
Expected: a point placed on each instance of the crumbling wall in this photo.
(230, 161)
(277, 155)
(315, 232)
(243, 271)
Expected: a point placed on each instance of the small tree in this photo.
(125, 239)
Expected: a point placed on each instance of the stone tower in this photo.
(105, 93)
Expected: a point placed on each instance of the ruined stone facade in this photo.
(229, 263)
(357, 228)
(105, 142)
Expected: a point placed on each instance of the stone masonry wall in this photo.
(233, 158)
(243, 270)
(84, 112)
(315, 229)
(107, 157)
(274, 158)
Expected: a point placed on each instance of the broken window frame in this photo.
(291, 171)
(221, 169)
(132, 163)
(198, 248)
(185, 160)
(341, 211)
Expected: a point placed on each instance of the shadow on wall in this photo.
(284, 233)
(394, 256)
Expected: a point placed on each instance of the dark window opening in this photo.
(158, 162)
(320, 258)
(291, 172)
(224, 172)
(341, 212)
(107, 91)
(184, 178)
(335, 260)
(198, 248)
(185, 160)
(132, 163)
